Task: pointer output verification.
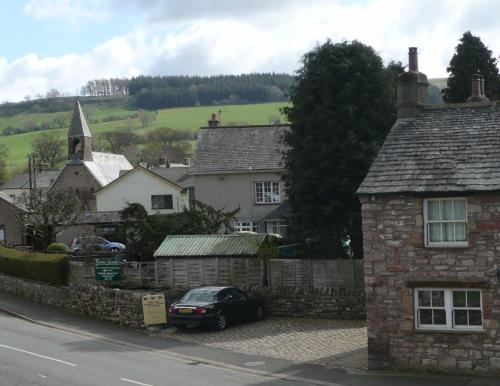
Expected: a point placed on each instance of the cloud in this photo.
(66, 11)
(224, 36)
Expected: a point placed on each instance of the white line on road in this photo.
(37, 355)
(137, 383)
(42, 376)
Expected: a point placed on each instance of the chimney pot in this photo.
(482, 86)
(477, 89)
(413, 59)
(214, 122)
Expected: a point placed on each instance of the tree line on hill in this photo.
(155, 92)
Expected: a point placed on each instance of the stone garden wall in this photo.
(125, 306)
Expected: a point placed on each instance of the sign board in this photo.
(153, 308)
(108, 269)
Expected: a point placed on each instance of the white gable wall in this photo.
(137, 187)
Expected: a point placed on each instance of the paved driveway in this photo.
(330, 343)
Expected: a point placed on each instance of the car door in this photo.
(237, 302)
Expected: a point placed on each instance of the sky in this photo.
(61, 44)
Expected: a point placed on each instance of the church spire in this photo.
(79, 137)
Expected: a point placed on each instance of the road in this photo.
(31, 354)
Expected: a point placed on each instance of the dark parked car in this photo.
(95, 243)
(214, 307)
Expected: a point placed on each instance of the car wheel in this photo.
(181, 327)
(259, 313)
(221, 321)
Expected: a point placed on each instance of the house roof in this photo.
(106, 167)
(140, 168)
(238, 149)
(210, 245)
(78, 126)
(6, 198)
(178, 175)
(451, 148)
(22, 180)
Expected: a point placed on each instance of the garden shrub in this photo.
(58, 248)
(44, 267)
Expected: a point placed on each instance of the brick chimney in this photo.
(477, 93)
(412, 88)
(214, 122)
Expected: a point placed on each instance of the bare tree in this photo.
(53, 93)
(49, 147)
(44, 213)
(146, 117)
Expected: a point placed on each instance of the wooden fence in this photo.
(241, 272)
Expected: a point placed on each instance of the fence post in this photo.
(156, 274)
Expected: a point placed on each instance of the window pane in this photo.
(475, 318)
(461, 317)
(458, 298)
(473, 299)
(424, 298)
(433, 210)
(435, 232)
(437, 298)
(448, 231)
(460, 231)
(447, 210)
(425, 316)
(459, 210)
(439, 316)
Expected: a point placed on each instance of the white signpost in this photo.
(153, 308)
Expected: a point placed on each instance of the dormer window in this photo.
(445, 222)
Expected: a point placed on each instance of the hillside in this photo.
(190, 118)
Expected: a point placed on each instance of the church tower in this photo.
(79, 137)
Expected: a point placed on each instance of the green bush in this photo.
(57, 248)
(48, 268)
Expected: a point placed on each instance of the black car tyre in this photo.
(181, 327)
(221, 321)
(259, 313)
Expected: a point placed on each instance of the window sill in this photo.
(267, 203)
(451, 246)
(457, 331)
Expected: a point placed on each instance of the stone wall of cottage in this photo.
(396, 262)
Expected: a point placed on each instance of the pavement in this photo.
(329, 343)
(140, 356)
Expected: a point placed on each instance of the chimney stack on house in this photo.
(412, 88)
(43, 166)
(477, 93)
(163, 162)
(214, 122)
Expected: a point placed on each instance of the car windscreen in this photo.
(200, 296)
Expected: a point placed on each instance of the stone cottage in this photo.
(431, 229)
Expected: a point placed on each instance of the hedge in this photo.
(45, 267)
(58, 248)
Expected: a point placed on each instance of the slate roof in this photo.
(210, 245)
(178, 175)
(237, 149)
(452, 148)
(106, 167)
(6, 198)
(22, 180)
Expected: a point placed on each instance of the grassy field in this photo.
(190, 118)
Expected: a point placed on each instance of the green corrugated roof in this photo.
(210, 245)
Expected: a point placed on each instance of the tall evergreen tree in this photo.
(342, 108)
(4, 151)
(471, 57)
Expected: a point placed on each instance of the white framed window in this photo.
(445, 222)
(448, 309)
(267, 192)
(277, 227)
(246, 226)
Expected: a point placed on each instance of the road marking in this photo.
(37, 355)
(42, 376)
(137, 383)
